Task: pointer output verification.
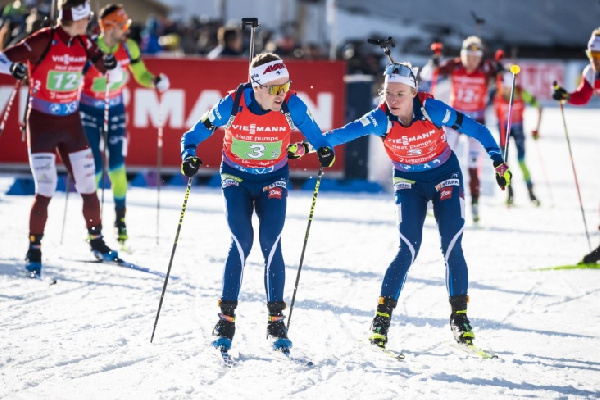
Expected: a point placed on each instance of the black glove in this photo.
(110, 62)
(18, 71)
(560, 94)
(326, 156)
(190, 166)
(435, 61)
(498, 67)
(503, 174)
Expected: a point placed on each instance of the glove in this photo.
(115, 74)
(18, 71)
(190, 166)
(535, 134)
(498, 67)
(326, 156)
(503, 174)
(110, 62)
(297, 150)
(435, 61)
(161, 83)
(560, 94)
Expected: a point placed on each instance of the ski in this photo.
(124, 264)
(39, 277)
(302, 361)
(225, 357)
(570, 266)
(396, 355)
(470, 348)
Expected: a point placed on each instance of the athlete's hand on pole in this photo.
(18, 71)
(326, 156)
(560, 94)
(503, 174)
(190, 166)
(297, 150)
(161, 83)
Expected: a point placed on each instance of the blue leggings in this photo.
(93, 123)
(244, 194)
(444, 187)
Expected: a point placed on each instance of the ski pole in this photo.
(562, 112)
(437, 51)
(253, 23)
(11, 99)
(541, 159)
(105, 139)
(515, 70)
(62, 233)
(310, 217)
(158, 166)
(479, 22)
(162, 296)
(384, 44)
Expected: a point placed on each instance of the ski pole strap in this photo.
(459, 120)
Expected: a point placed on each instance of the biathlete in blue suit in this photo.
(258, 118)
(410, 124)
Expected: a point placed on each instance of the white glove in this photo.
(161, 83)
(115, 74)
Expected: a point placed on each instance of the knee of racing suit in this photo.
(82, 166)
(43, 169)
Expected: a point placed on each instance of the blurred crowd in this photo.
(203, 37)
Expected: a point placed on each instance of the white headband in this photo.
(407, 80)
(471, 52)
(268, 72)
(594, 44)
(75, 13)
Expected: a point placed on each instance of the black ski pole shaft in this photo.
(253, 23)
(562, 112)
(62, 233)
(162, 296)
(310, 217)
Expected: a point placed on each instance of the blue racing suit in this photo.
(425, 169)
(257, 181)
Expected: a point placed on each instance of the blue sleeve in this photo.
(374, 122)
(217, 116)
(442, 114)
(305, 123)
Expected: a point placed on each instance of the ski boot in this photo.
(120, 226)
(225, 327)
(276, 330)
(97, 246)
(592, 258)
(459, 322)
(532, 196)
(34, 256)
(510, 198)
(475, 212)
(381, 322)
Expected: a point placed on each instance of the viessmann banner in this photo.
(196, 85)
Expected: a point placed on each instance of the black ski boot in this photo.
(97, 246)
(276, 330)
(225, 327)
(532, 196)
(459, 322)
(510, 198)
(592, 258)
(34, 256)
(381, 322)
(120, 226)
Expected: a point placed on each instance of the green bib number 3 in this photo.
(256, 150)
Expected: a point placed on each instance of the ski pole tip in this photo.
(515, 69)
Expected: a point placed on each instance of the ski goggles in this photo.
(400, 73)
(274, 90)
(593, 55)
(117, 18)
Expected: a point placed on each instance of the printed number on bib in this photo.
(256, 151)
(63, 81)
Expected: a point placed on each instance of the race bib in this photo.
(61, 81)
(256, 150)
